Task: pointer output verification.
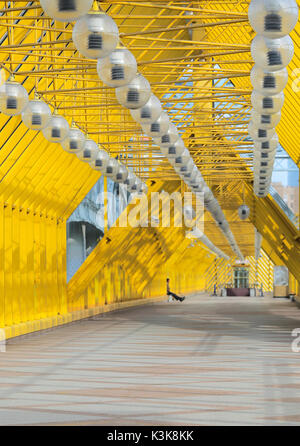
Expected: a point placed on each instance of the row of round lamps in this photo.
(272, 50)
(36, 115)
(96, 36)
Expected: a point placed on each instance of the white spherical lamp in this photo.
(168, 138)
(185, 169)
(188, 170)
(244, 212)
(36, 115)
(117, 69)
(273, 18)
(130, 180)
(135, 187)
(13, 98)
(149, 113)
(264, 164)
(267, 121)
(101, 161)
(90, 151)
(197, 189)
(196, 180)
(111, 168)
(95, 35)
(135, 94)
(57, 129)
(74, 142)
(260, 135)
(272, 54)
(121, 175)
(158, 127)
(260, 157)
(191, 175)
(267, 104)
(174, 150)
(181, 160)
(66, 10)
(262, 171)
(268, 82)
(143, 188)
(267, 146)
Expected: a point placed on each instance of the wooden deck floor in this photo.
(207, 361)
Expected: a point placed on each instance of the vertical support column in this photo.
(8, 277)
(41, 293)
(30, 265)
(299, 202)
(2, 295)
(62, 266)
(16, 289)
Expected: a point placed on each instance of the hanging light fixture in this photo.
(267, 104)
(36, 115)
(267, 146)
(261, 191)
(196, 180)
(13, 98)
(260, 135)
(174, 150)
(189, 214)
(135, 94)
(273, 18)
(272, 54)
(111, 168)
(191, 172)
(75, 141)
(130, 180)
(244, 212)
(185, 171)
(261, 183)
(149, 113)
(143, 188)
(66, 10)
(262, 158)
(272, 50)
(135, 187)
(268, 83)
(101, 161)
(121, 175)
(157, 128)
(264, 164)
(267, 121)
(188, 169)
(90, 151)
(117, 69)
(95, 35)
(262, 171)
(168, 138)
(57, 129)
(181, 160)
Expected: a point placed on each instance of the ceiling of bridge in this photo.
(197, 59)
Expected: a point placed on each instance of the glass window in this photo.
(86, 227)
(241, 278)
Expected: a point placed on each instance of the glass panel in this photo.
(86, 228)
(285, 185)
(241, 278)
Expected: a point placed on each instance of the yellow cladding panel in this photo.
(131, 263)
(187, 50)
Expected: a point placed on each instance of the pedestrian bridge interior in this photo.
(64, 258)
